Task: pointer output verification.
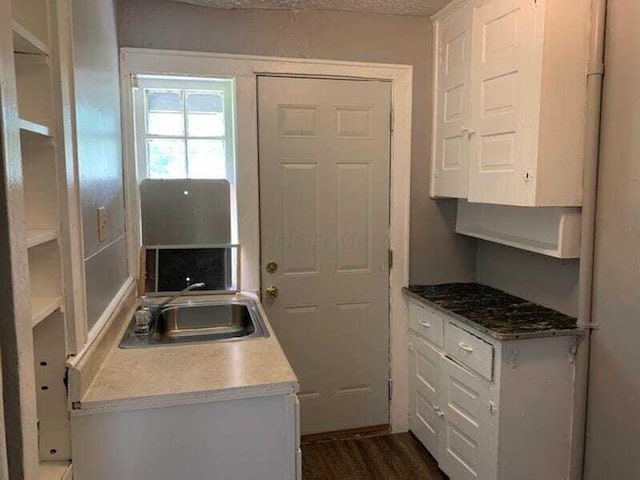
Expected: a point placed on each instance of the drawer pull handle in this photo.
(465, 347)
(425, 324)
(438, 411)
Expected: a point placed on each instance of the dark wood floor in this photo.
(384, 457)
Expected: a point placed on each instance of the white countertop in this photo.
(182, 374)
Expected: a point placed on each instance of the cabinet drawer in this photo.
(426, 322)
(469, 350)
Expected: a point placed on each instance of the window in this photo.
(184, 127)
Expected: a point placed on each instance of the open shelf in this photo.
(42, 307)
(44, 270)
(40, 188)
(55, 471)
(551, 231)
(33, 127)
(38, 236)
(30, 23)
(26, 42)
(35, 94)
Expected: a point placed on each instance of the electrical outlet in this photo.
(103, 229)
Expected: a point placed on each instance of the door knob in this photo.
(273, 291)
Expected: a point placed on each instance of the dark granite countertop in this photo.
(494, 312)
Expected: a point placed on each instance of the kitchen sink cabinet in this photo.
(244, 438)
(510, 101)
(489, 409)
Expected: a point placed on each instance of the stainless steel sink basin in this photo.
(198, 322)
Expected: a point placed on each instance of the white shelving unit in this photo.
(38, 89)
(551, 231)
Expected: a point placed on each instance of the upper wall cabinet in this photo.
(510, 101)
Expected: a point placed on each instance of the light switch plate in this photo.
(103, 230)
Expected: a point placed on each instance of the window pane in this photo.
(205, 114)
(166, 158)
(165, 114)
(207, 159)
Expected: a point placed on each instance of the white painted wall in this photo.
(437, 253)
(613, 426)
(97, 102)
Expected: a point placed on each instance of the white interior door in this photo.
(324, 150)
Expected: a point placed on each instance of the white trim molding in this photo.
(244, 69)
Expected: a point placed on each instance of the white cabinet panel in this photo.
(251, 438)
(426, 405)
(510, 129)
(466, 434)
(505, 90)
(451, 119)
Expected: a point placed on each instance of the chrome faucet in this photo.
(148, 315)
(195, 286)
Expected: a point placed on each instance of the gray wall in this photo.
(613, 426)
(544, 280)
(437, 255)
(99, 149)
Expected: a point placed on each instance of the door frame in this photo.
(244, 70)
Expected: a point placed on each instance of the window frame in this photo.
(224, 85)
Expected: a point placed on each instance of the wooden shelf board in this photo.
(32, 127)
(42, 307)
(55, 471)
(512, 241)
(26, 42)
(38, 236)
(550, 231)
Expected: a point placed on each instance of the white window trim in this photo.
(244, 69)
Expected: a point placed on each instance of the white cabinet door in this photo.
(425, 395)
(506, 62)
(466, 437)
(451, 153)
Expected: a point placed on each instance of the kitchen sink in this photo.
(221, 320)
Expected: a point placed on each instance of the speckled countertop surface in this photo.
(174, 375)
(494, 312)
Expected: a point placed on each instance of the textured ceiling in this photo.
(390, 7)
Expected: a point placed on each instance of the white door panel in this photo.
(425, 395)
(506, 76)
(452, 118)
(464, 450)
(324, 203)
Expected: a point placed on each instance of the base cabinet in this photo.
(491, 410)
(243, 439)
